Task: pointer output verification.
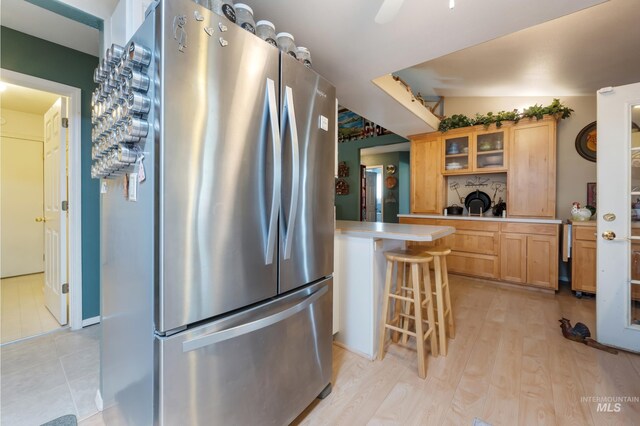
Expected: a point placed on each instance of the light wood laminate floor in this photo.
(508, 365)
(23, 313)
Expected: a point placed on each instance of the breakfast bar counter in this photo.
(359, 273)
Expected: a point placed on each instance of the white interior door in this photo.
(618, 262)
(21, 195)
(55, 224)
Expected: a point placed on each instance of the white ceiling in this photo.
(570, 56)
(350, 50)
(38, 22)
(23, 99)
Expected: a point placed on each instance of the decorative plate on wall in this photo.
(587, 142)
(391, 182)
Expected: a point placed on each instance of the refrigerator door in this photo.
(219, 167)
(257, 367)
(308, 120)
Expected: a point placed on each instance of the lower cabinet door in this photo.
(584, 266)
(261, 366)
(513, 258)
(542, 261)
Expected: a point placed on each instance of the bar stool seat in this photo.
(415, 299)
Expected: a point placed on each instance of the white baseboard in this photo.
(99, 400)
(90, 321)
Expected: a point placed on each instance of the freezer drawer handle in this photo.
(277, 171)
(290, 114)
(221, 336)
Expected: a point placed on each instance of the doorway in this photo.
(373, 194)
(70, 296)
(391, 197)
(25, 233)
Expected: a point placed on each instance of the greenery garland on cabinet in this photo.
(556, 109)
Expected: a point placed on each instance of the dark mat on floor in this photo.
(68, 420)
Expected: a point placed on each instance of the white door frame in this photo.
(75, 182)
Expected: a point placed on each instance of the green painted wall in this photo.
(29, 55)
(389, 209)
(347, 206)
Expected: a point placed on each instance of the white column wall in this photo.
(121, 18)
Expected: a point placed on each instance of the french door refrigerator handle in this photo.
(277, 171)
(248, 327)
(290, 115)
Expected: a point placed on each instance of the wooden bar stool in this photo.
(443, 297)
(415, 303)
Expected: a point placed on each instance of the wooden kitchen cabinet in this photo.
(427, 183)
(583, 257)
(542, 261)
(531, 172)
(490, 149)
(457, 151)
(529, 254)
(584, 253)
(474, 246)
(513, 258)
(515, 252)
(475, 150)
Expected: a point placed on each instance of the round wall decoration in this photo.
(587, 142)
(391, 182)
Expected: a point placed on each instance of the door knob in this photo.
(39, 219)
(609, 235)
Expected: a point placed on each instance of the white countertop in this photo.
(392, 231)
(483, 218)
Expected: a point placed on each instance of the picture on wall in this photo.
(350, 125)
(591, 194)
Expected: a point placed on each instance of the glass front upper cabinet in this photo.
(489, 151)
(457, 156)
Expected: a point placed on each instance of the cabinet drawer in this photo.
(417, 221)
(479, 242)
(529, 228)
(586, 233)
(477, 265)
(471, 225)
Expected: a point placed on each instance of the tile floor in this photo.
(50, 375)
(22, 311)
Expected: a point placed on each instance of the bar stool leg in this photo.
(385, 308)
(406, 309)
(415, 272)
(395, 335)
(440, 306)
(447, 296)
(429, 307)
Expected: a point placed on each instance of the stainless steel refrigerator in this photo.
(216, 225)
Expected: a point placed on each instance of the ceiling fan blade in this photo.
(388, 11)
